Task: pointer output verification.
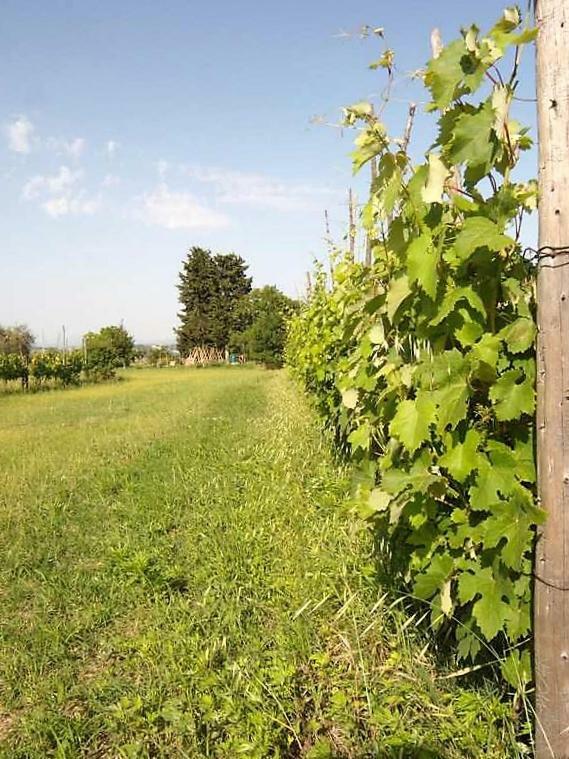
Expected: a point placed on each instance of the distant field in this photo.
(179, 579)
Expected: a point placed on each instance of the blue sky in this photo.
(131, 130)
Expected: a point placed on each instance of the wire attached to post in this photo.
(546, 251)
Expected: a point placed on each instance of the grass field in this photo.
(179, 579)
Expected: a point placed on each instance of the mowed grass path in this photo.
(179, 578)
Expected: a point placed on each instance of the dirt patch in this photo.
(7, 722)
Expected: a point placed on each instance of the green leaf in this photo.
(412, 420)
(452, 74)
(418, 478)
(524, 459)
(478, 232)
(451, 404)
(361, 110)
(441, 369)
(484, 355)
(517, 670)
(484, 493)
(422, 264)
(455, 296)
(490, 611)
(462, 458)
(519, 335)
(511, 521)
(504, 34)
(399, 291)
(437, 175)
(350, 398)
(474, 143)
(360, 437)
(377, 501)
(384, 62)
(470, 331)
(435, 577)
(377, 334)
(369, 143)
(512, 398)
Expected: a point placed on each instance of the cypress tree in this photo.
(209, 289)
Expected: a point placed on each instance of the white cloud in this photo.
(20, 134)
(75, 147)
(58, 194)
(258, 190)
(71, 148)
(111, 147)
(178, 210)
(65, 205)
(54, 184)
(162, 167)
(110, 180)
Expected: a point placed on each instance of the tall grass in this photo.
(180, 579)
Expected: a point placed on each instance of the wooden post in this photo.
(373, 167)
(551, 612)
(352, 224)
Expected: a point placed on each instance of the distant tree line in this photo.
(219, 309)
(102, 353)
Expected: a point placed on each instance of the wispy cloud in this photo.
(111, 147)
(53, 184)
(59, 195)
(20, 135)
(257, 190)
(178, 210)
(65, 205)
(74, 148)
(162, 168)
(110, 180)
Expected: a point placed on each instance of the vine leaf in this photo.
(512, 398)
(453, 73)
(511, 521)
(517, 669)
(453, 297)
(470, 331)
(422, 264)
(451, 401)
(435, 577)
(478, 232)
(484, 356)
(377, 334)
(490, 611)
(433, 190)
(418, 478)
(520, 335)
(462, 458)
(350, 398)
(398, 292)
(484, 493)
(360, 437)
(473, 142)
(412, 420)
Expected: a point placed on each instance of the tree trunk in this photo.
(552, 552)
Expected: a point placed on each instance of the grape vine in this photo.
(422, 362)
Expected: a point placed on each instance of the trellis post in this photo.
(551, 613)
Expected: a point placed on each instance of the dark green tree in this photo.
(18, 339)
(108, 349)
(197, 289)
(261, 323)
(233, 284)
(209, 289)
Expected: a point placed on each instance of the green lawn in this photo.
(179, 578)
